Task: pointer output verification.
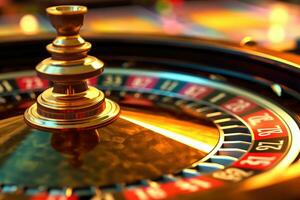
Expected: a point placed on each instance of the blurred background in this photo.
(273, 24)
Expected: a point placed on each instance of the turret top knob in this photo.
(67, 19)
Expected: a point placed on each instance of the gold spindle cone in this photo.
(70, 104)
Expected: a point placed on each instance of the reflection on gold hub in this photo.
(71, 103)
(196, 135)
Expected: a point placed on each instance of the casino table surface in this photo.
(271, 23)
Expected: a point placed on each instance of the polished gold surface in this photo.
(185, 132)
(71, 103)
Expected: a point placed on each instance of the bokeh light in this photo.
(29, 24)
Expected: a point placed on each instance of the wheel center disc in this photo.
(135, 147)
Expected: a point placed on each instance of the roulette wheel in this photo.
(169, 117)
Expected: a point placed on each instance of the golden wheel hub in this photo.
(70, 104)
